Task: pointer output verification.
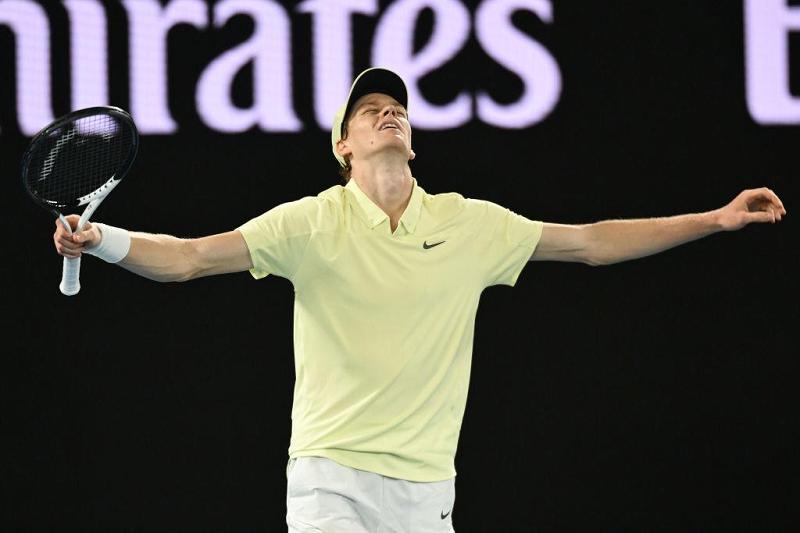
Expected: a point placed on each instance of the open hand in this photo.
(752, 205)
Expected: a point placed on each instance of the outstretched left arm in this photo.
(612, 241)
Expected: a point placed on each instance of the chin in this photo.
(393, 144)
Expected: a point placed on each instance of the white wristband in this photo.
(114, 243)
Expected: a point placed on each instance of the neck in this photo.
(387, 185)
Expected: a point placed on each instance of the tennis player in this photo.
(387, 280)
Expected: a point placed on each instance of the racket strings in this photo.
(77, 158)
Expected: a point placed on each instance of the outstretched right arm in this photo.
(163, 257)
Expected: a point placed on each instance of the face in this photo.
(377, 125)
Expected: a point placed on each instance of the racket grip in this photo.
(70, 276)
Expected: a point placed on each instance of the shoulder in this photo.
(304, 215)
(317, 207)
(488, 210)
(479, 209)
(458, 209)
(333, 194)
(445, 205)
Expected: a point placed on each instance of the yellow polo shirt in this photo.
(383, 322)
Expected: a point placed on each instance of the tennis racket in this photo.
(77, 161)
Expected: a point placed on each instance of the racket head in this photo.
(79, 157)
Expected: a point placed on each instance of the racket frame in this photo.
(70, 278)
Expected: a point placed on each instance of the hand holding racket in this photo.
(77, 161)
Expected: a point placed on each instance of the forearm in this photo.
(161, 257)
(613, 241)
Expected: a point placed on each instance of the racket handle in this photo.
(70, 276)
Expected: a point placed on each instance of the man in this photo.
(387, 281)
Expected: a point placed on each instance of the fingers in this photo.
(770, 209)
(761, 216)
(73, 222)
(764, 203)
(769, 195)
(779, 209)
(69, 244)
(66, 244)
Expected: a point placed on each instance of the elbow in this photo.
(168, 276)
(198, 260)
(591, 252)
(595, 255)
(596, 261)
(190, 266)
(595, 252)
(601, 259)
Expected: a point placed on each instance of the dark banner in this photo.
(650, 395)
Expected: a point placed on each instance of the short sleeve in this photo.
(277, 239)
(505, 242)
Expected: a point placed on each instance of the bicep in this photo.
(221, 254)
(563, 242)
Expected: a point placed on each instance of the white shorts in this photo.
(324, 496)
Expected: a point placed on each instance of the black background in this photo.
(652, 395)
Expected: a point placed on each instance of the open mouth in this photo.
(387, 126)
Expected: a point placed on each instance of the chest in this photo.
(379, 270)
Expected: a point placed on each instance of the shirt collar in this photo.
(374, 215)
